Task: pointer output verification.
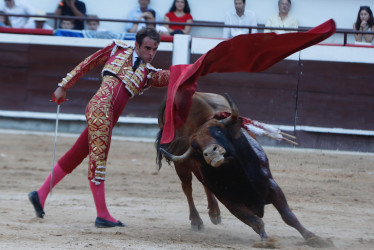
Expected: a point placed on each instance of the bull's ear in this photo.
(234, 108)
(235, 129)
(234, 112)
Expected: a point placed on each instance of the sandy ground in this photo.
(330, 192)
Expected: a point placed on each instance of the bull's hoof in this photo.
(268, 243)
(197, 226)
(319, 242)
(215, 219)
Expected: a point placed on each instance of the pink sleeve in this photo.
(160, 79)
(89, 63)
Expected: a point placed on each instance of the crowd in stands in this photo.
(179, 12)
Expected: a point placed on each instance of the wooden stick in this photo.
(284, 139)
(289, 141)
(288, 135)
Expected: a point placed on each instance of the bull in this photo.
(230, 164)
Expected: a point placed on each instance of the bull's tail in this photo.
(158, 149)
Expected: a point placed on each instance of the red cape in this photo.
(244, 53)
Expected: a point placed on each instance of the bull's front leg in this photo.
(244, 214)
(185, 175)
(278, 199)
(214, 212)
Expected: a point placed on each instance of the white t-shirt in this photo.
(275, 21)
(247, 19)
(158, 28)
(134, 15)
(19, 8)
(32, 25)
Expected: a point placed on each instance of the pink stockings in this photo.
(98, 192)
(58, 175)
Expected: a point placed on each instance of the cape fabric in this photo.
(243, 53)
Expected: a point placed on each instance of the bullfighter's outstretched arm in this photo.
(89, 63)
(160, 79)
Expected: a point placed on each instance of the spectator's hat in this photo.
(40, 13)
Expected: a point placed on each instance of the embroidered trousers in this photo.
(102, 113)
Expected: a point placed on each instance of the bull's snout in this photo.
(214, 155)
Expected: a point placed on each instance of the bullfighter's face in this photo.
(147, 50)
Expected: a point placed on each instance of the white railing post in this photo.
(181, 49)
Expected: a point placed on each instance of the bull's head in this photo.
(208, 139)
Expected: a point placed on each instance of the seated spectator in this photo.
(364, 22)
(241, 16)
(136, 13)
(67, 24)
(179, 12)
(39, 22)
(18, 8)
(149, 15)
(4, 20)
(72, 8)
(282, 19)
(93, 25)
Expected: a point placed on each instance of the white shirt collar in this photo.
(134, 56)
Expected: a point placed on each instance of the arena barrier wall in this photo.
(324, 94)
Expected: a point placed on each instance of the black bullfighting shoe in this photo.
(34, 199)
(102, 223)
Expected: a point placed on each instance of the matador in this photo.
(126, 73)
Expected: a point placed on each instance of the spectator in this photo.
(136, 13)
(240, 16)
(149, 15)
(282, 19)
(18, 8)
(179, 12)
(364, 22)
(72, 8)
(93, 25)
(67, 24)
(39, 22)
(4, 20)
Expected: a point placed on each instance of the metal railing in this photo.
(345, 32)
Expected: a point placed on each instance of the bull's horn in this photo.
(234, 111)
(175, 158)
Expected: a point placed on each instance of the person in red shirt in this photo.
(179, 12)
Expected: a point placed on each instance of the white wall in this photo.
(308, 12)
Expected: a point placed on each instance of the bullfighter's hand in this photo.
(59, 95)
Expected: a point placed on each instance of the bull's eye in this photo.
(215, 148)
(217, 132)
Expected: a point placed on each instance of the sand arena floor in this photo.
(330, 192)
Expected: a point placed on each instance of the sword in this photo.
(54, 144)
(54, 147)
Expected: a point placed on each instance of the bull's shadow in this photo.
(230, 164)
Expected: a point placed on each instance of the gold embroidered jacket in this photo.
(118, 61)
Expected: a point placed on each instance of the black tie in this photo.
(136, 64)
